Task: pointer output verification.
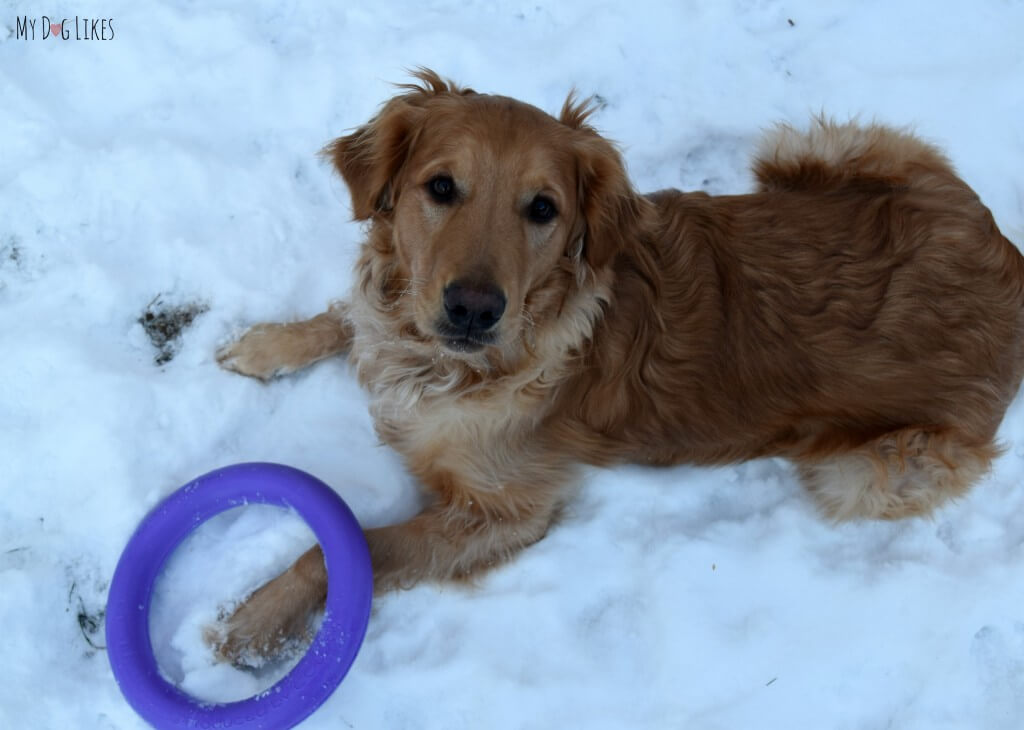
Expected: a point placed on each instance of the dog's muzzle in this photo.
(472, 310)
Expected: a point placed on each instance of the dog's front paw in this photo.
(274, 620)
(262, 352)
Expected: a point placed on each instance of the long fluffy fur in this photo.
(859, 313)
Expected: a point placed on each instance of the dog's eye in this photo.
(442, 189)
(541, 210)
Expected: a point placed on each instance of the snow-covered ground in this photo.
(171, 170)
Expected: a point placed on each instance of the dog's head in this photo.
(492, 211)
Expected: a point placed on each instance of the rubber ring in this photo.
(334, 648)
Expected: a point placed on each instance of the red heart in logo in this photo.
(56, 28)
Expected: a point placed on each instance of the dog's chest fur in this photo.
(442, 416)
(481, 436)
(445, 417)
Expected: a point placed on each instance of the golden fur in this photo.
(859, 313)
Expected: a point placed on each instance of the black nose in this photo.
(473, 307)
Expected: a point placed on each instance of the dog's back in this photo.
(862, 291)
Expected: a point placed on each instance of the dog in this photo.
(520, 310)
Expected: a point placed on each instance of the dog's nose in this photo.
(473, 307)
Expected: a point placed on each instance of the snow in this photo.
(177, 160)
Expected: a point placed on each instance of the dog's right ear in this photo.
(370, 158)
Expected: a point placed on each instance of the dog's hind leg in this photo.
(268, 350)
(901, 474)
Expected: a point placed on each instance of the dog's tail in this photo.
(831, 155)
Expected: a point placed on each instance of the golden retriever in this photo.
(520, 309)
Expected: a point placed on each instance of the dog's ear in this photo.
(370, 158)
(610, 212)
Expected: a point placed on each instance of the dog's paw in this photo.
(262, 352)
(275, 620)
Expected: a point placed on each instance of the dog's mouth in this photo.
(464, 345)
(466, 342)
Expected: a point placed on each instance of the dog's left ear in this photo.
(610, 213)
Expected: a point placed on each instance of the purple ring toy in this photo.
(318, 673)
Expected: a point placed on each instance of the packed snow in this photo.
(160, 190)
